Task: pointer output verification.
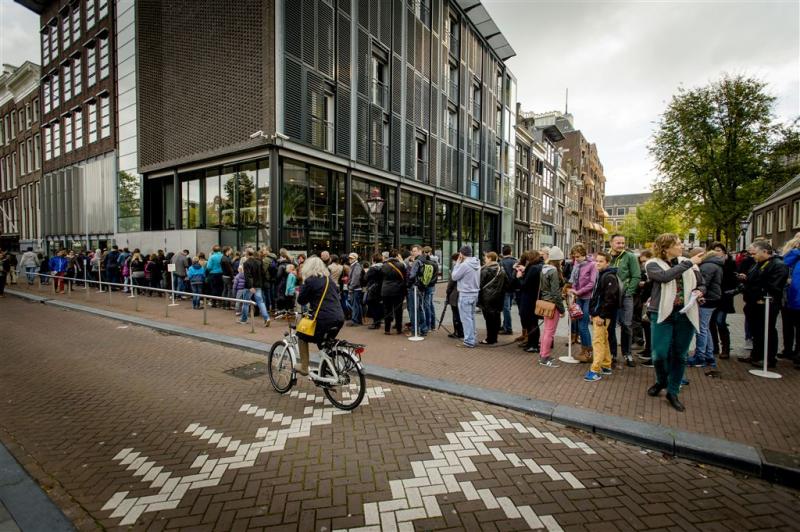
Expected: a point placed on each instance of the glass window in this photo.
(129, 189)
(102, 9)
(56, 139)
(92, 119)
(53, 40)
(78, 124)
(415, 219)
(67, 133)
(262, 202)
(190, 204)
(36, 110)
(47, 143)
(322, 120)
(471, 229)
(29, 154)
(67, 82)
(13, 124)
(795, 214)
(23, 169)
(46, 45)
(105, 116)
(213, 198)
(246, 192)
(228, 184)
(76, 22)
(76, 74)
(37, 150)
(91, 14)
(91, 65)
(103, 42)
(370, 231)
(66, 29)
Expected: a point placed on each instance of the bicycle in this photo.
(340, 373)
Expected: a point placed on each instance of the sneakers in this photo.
(692, 362)
(548, 362)
(591, 376)
(629, 361)
(748, 345)
(647, 363)
(505, 333)
(266, 323)
(606, 371)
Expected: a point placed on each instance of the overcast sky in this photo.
(621, 61)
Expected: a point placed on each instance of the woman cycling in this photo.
(317, 285)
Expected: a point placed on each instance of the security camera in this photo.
(281, 135)
(257, 134)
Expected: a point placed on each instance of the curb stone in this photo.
(769, 465)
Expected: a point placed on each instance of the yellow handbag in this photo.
(308, 326)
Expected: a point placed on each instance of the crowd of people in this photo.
(662, 300)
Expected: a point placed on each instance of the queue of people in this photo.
(663, 300)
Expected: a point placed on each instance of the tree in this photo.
(651, 219)
(719, 152)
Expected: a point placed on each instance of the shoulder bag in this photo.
(308, 326)
(543, 308)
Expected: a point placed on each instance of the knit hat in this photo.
(466, 251)
(556, 253)
(353, 256)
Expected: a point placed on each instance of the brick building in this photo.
(20, 159)
(778, 218)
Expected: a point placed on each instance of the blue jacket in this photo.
(792, 261)
(196, 274)
(215, 263)
(58, 264)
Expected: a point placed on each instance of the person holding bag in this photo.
(550, 304)
(322, 297)
(491, 297)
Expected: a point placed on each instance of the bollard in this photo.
(416, 337)
(166, 307)
(205, 315)
(764, 372)
(569, 359)
(252, 321)
(109, 295)
(55, 291)
(136, 301)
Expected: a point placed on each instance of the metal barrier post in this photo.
(136, 300)
(55, 290)
(109, 295)
(166, 307)
(205, 315)
(764, 372)
(416, 337)
(252, 321)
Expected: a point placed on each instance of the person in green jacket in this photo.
(629, 273)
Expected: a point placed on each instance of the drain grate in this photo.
(250, 371)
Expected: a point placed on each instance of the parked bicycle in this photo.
(340, 373)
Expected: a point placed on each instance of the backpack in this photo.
(272, 270)
(620, 291)
(426, 275)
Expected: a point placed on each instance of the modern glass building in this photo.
(283, 123)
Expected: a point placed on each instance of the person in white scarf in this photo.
(676, 281)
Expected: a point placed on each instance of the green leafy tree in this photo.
(719, 153)
(651, 219)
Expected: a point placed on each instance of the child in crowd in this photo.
(602, 307)
(240, 290)
(197, 277)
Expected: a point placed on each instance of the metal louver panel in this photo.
(373, 17)
(435, 67)
(411, 147)
(292, 99)
(397, 84)
(433, 160)
(293, 34)
(394, 145)
(435, 117)
(417, 100)
(363, 63)
(344, 6)
(397, 20)
(308, 32)
(385, 18)
(425, 52)
(410, 43)
(343, 34)
(426, 105)
(343, 121)
(375, 134)
(362, 153)
(409, 93)
(363, 13)
(325, 39)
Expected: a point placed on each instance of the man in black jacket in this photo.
(253, 282)
(767, 278)
(512, 287)
(603, 306)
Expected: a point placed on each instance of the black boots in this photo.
(676, 404)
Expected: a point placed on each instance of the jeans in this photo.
(227, 289)
(546, 342)
(601, 355)
(671, 341)
(262, 308)
(429, 323)
(197, 289)
(508, 302)
(720, 332)
(624, 317)
(30, 273)
(704, 350)
(244, 293)
(466, 309)
(583, 324)
(356, 297)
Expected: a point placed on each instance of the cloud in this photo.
(622, 62)
(19, 28)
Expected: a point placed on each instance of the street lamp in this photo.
(743, 225)
(375, 206)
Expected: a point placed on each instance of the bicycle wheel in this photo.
(279, 367)
(349, 392)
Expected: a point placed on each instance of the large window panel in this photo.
(190, 202)
(246, 195)
(262, 202)
(228, 197)
(213, 199)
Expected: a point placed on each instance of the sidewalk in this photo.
(737, 407)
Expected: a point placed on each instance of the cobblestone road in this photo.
(125, 427)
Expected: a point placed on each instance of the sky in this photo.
(622, 61)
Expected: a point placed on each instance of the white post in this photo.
(765, 372)
(171, 270)
(569, 359)
(416, 337)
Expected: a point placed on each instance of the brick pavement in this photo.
(99, 420)
(737, 406)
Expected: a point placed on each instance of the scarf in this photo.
(669, 291)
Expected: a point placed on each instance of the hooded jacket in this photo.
(394, 284)
(508, 266)
(550, 287)
(711, 269)
(605, 295)
(628, 270)
(28, 260)
(466, 274)
(214, 265)
(493, 288)
(587, 277)
(792, 261)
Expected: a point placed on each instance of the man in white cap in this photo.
(466, 274)
(356, 290)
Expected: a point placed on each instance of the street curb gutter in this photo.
(29, 506)
(769, 465)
